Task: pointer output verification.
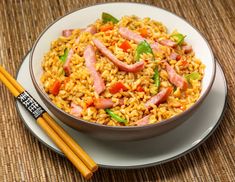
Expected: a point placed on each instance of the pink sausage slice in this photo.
(187, 49)
(175, 56)
(90, 60)
(176, 79)
(92, 29)
(156, 47)
(67, 33)
(128, 34)
(168, 43)
(76, 110)
(122, 66)
(159, 98)
(143, 121)
(102, 103)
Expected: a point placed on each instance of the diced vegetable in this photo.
(55, 88)
(64, 56)
(139, 89)
(143, 32)
(143, 47)
(107, 18)
(192, 76)
(115, 116)
(184, 63)
(156, 78)
(89, 102)
(178, 37)
(178, 57)
(106, 27)
(117, 87)
(125, 46)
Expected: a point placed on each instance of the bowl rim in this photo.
(120, 128)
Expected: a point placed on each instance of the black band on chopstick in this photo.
(34, 108)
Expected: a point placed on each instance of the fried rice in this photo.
(77, 88)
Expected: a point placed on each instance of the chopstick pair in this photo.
(80, 159)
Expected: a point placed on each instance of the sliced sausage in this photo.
(128, 34)
(76, 110)
(176, 79)
(143, 121)
(159, 98)
(187, 49)
(67, 33)
(102, 103)
(168, 43)
(121, 65)
(90, 60)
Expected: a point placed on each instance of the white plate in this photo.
(160, 149)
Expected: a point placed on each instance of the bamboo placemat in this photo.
(24, 158)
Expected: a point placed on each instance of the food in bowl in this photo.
(127, 72)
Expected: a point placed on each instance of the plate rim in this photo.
(133, 166)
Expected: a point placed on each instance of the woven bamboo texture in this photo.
(24, 158)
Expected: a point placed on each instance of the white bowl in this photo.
(83, 17)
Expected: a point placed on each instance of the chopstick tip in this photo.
(94, 168)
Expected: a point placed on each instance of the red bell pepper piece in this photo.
(139, 89)
(117, 87)
(55, 88)
(125, 46)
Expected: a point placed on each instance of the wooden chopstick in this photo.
(11, 80)
(53, 135)
(12, 89)
(67, 151)
(73, 151)
(71, 143)
(89, 162)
